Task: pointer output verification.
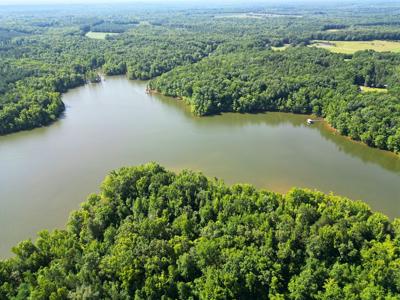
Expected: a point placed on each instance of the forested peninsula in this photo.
(299, 80)
(154, 234)
(217, 60)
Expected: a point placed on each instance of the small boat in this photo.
(310, 121)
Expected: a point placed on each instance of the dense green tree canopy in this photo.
(153, 234)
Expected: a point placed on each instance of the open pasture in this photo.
(99, 35)
(350, 47)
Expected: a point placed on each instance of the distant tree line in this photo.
(356, 35)
(334, 26)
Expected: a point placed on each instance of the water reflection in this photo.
(385, 159)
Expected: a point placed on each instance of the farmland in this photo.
(350, 47)
(99, 35)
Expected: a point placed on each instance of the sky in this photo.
(34, 2)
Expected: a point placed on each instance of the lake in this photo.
(45, 173)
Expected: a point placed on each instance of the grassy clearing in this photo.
(283, 48)
(350, 47)
(99, 35)
(238, 16)
(334, 30)
(366, 89)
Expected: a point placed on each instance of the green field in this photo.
(255, 15)
(238, 15)
(282, 48)
(350, 47)
(99, 35)
(366, 89)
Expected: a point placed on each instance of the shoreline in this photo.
(323, 120)
(148, 91)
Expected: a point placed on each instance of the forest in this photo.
(154, 234)
(214, 60)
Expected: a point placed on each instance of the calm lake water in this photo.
(45, 173)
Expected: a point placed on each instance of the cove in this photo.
(45, 173)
